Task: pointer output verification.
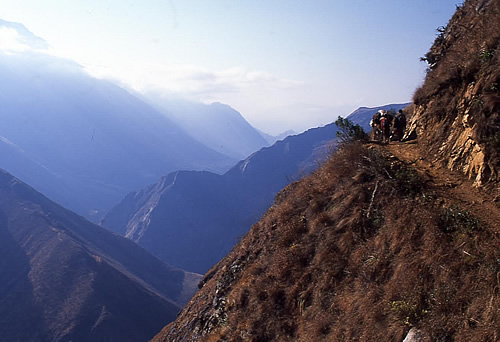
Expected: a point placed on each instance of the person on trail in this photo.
(385, 125)
(399, 125)
(375, 125)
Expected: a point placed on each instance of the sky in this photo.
(283, 64)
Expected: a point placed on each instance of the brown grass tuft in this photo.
(328, 263)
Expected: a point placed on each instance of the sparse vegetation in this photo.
(454, 219)
(462, 86)
(362, 250)
(345, 255)
(348, 131)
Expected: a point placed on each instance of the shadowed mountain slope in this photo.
(192, 219)
(63, 278)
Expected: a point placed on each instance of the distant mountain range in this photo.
(87, 136)
(217, 126)
(271, 139)
(192, 219)
(63, 278)
(65, 132)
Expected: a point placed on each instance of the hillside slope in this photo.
(192, 219)
(456, 112)
(383, 241)
(63, 278)
(364, 249)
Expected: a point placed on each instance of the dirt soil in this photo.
(452, 187)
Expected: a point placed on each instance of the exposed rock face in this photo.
(415, 335)
(456, 111)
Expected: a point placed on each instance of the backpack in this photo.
(400, 120)
(384, 123)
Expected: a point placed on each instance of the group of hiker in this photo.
(387, 126)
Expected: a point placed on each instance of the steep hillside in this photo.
(192, 219)
(208, 213)
(63, 278)
(456, 111)
(88, 135)
(383, 241)
(362, 250)
(217, 126)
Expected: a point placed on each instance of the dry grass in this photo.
(361, 250)
(326, 263)
(465, 81)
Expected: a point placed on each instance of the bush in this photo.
(348, 131)
(454, 219)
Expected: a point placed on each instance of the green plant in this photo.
(348, 131)
(486, 55)
(454, 219)
(404, 310)
(408, 181)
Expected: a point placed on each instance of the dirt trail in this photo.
(453, 188)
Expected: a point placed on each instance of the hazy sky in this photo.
(284, 64)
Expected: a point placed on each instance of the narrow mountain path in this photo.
(451, 187)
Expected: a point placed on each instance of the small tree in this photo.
(348, 131)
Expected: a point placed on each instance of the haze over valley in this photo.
(249, 171)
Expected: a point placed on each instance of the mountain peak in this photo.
(15, 37)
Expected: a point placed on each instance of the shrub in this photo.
(348, 131)
(454, 219)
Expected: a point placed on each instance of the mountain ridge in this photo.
(87, 134)
(213, 210)
(64, 278)
(393, 241)
(216, 125)
(226, 205)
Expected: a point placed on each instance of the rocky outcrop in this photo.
(415, 335)
(459, 150)
(456, 111)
